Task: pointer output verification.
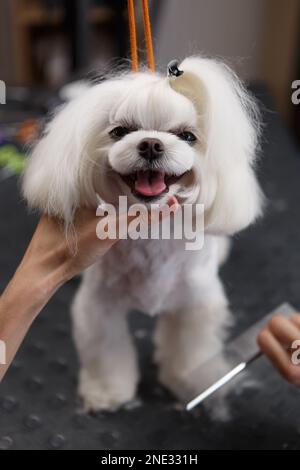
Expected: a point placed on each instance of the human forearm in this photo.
(27, 293)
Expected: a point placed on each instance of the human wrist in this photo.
(45, 281)
(33, 284)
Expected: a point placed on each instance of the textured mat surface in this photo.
(38, 404)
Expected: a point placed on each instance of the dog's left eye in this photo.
(187, 136)
(119, 132)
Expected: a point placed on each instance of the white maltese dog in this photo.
(146, 136)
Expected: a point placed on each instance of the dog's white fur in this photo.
(76, 158)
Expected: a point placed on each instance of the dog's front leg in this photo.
(109, 373)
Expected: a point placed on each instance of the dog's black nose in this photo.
(150, 148)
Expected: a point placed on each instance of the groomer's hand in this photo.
(52, 259)
(276, 341)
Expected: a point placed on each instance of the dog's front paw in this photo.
(104, 393)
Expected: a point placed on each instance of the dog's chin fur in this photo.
(79, 156)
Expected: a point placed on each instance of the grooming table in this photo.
(39, 408)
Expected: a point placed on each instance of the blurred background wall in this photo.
(232, 28)
(259, 38)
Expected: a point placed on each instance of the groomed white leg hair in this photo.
(109, 373)
(187, 338)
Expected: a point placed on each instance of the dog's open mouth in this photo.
(149, 184)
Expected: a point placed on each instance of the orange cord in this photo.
(132, 36)
(148, 35)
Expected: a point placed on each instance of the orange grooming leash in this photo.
(133, 39)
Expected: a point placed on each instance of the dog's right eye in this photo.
(119, 132)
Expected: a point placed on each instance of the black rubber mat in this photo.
(39, 408)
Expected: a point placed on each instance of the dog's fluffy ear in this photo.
(229, 123)
(51, 182)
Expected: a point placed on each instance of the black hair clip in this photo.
(173, 70)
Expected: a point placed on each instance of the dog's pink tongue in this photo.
(150, 183)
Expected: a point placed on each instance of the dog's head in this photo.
(148, 136)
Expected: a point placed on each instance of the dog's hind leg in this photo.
(188, 337)
(108, 366)
(224, 247)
